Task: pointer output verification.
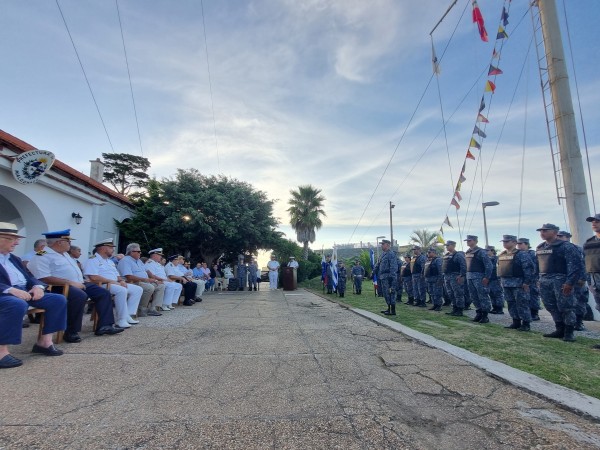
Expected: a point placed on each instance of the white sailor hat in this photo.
(105, 242)
(158, 251)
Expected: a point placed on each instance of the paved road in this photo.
(268, 370)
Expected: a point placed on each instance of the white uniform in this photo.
(54, 264)
(172, 288)
(273, 267)
(126, 299)
(293, 263)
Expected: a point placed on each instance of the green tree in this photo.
(306, 210)
(125, 172)
(203, 217)
(424, 238)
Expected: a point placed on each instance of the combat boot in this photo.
(559, 333)
(391, 311)
(515, 325)
(534, 315)
(411, 301)
(387, 311)
(478, 316)
(484, 318)
(433, 307)
(436, 308)
(525, 327)
(579, 326)
(451, 312)
(569, 336)
(457, 313)
(342, 295)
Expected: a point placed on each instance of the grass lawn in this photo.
(574, 365)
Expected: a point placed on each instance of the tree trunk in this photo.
(305, 250)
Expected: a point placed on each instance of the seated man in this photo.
(173, 273)
(156, 271)
(38, 248)
(196, 275)
(18, 291)
(101, 269)
(56, 267)
(134, 271)
(207, 277)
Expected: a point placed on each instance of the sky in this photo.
(332, 93)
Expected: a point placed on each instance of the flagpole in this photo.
(443, 17)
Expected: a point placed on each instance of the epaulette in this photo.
(40, 253)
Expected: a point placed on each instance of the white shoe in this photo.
(132, 321)
(123, 324)
(164, 308)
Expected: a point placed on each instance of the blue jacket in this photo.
(5, 279)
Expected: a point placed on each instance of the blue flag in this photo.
(372, 258)
(334, 268)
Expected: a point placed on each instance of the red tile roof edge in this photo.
(23, 146)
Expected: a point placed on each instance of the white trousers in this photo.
(200, 285)
(172, 293)
(273, 279)
(126, 300)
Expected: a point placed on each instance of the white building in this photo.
(51, 203)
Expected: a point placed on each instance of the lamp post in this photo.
(391, 226)
(484, 205)
(377, 245)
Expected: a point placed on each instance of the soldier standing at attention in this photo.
(560, 266)
(434, 278)
(386, 276)
(341, 287)
(358, 273)
(534, 290)
(416, 268)
(407, 280)
(581, 290)
(454, 269)
(479, 271)
(591, 249)
(516, 272)
(496, 293)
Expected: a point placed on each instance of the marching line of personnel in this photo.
(558, 272)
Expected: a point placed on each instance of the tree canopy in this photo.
(125, 172)
(424, 238)
(203, 217)
(306, 210)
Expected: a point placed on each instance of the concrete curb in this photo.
(568, 398)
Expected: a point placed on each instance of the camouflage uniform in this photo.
(407, 282)
(454, 266)
(560, 264)
(495, 289)
(341, 286)
(534, 290)
(432, 273)
(479, 267)
(386, 276)
(515, 269)
(591, 249)
(358, 273)
(417, 264)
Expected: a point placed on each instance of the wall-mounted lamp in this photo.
(77, 217)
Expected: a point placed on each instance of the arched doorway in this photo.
(17, 208)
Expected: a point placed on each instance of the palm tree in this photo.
(306, 209)
(424, 238)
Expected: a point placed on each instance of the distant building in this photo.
(52, 202)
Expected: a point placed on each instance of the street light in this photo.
(391, 227)
(484, 205)
(377, 245)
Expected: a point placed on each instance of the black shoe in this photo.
(152, 312)
(108, 329)
(50, 351)
(579, 326)
(496, 311)
(436, 308)
(484, 318)
(250, 289)
(255, 289)
(457, 313)
(187, 303)
(596, 347)
(525, 327)
(72, 338)
(9, 361)
(569, 336)
(559, 333)
(391, 311)
(387, 311)
(198, 299)
(534, 315)
(477, 317)
(421, 305)
(515, 325)
(449, 313)
(25, 325)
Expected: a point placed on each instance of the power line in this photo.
(129, 76)
(84, 74)
(212, 103)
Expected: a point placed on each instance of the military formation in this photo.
(557, 272)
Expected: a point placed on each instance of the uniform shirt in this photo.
(358, 271)
(388, 265)
(29, 255)
(54, 264)
(273, 265)
(131, 266)
(102, 267)
(293, 264)
(172, 270)
(156, 269)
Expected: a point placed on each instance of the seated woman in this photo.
(18, 291)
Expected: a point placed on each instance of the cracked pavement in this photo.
(273, 370)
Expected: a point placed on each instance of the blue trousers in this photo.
(419, 288)
(102, 303)
(562, 307)
(12, 310)
(496, 294)
(455, 291)
(478, 293)
(518, 303)
(435, 289)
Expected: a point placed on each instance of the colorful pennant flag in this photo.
(440, 239)
(442, 230)
(458, 196)
(495, 54)
(482, 104)
(482, 118)
(504, 16)
(494, 71)
(455, 203)
(490, 87)
(475, 144)
(470, 155)
(462, 178)
(447, 222)
(479, 132)
(501, 33)
(478, 19)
